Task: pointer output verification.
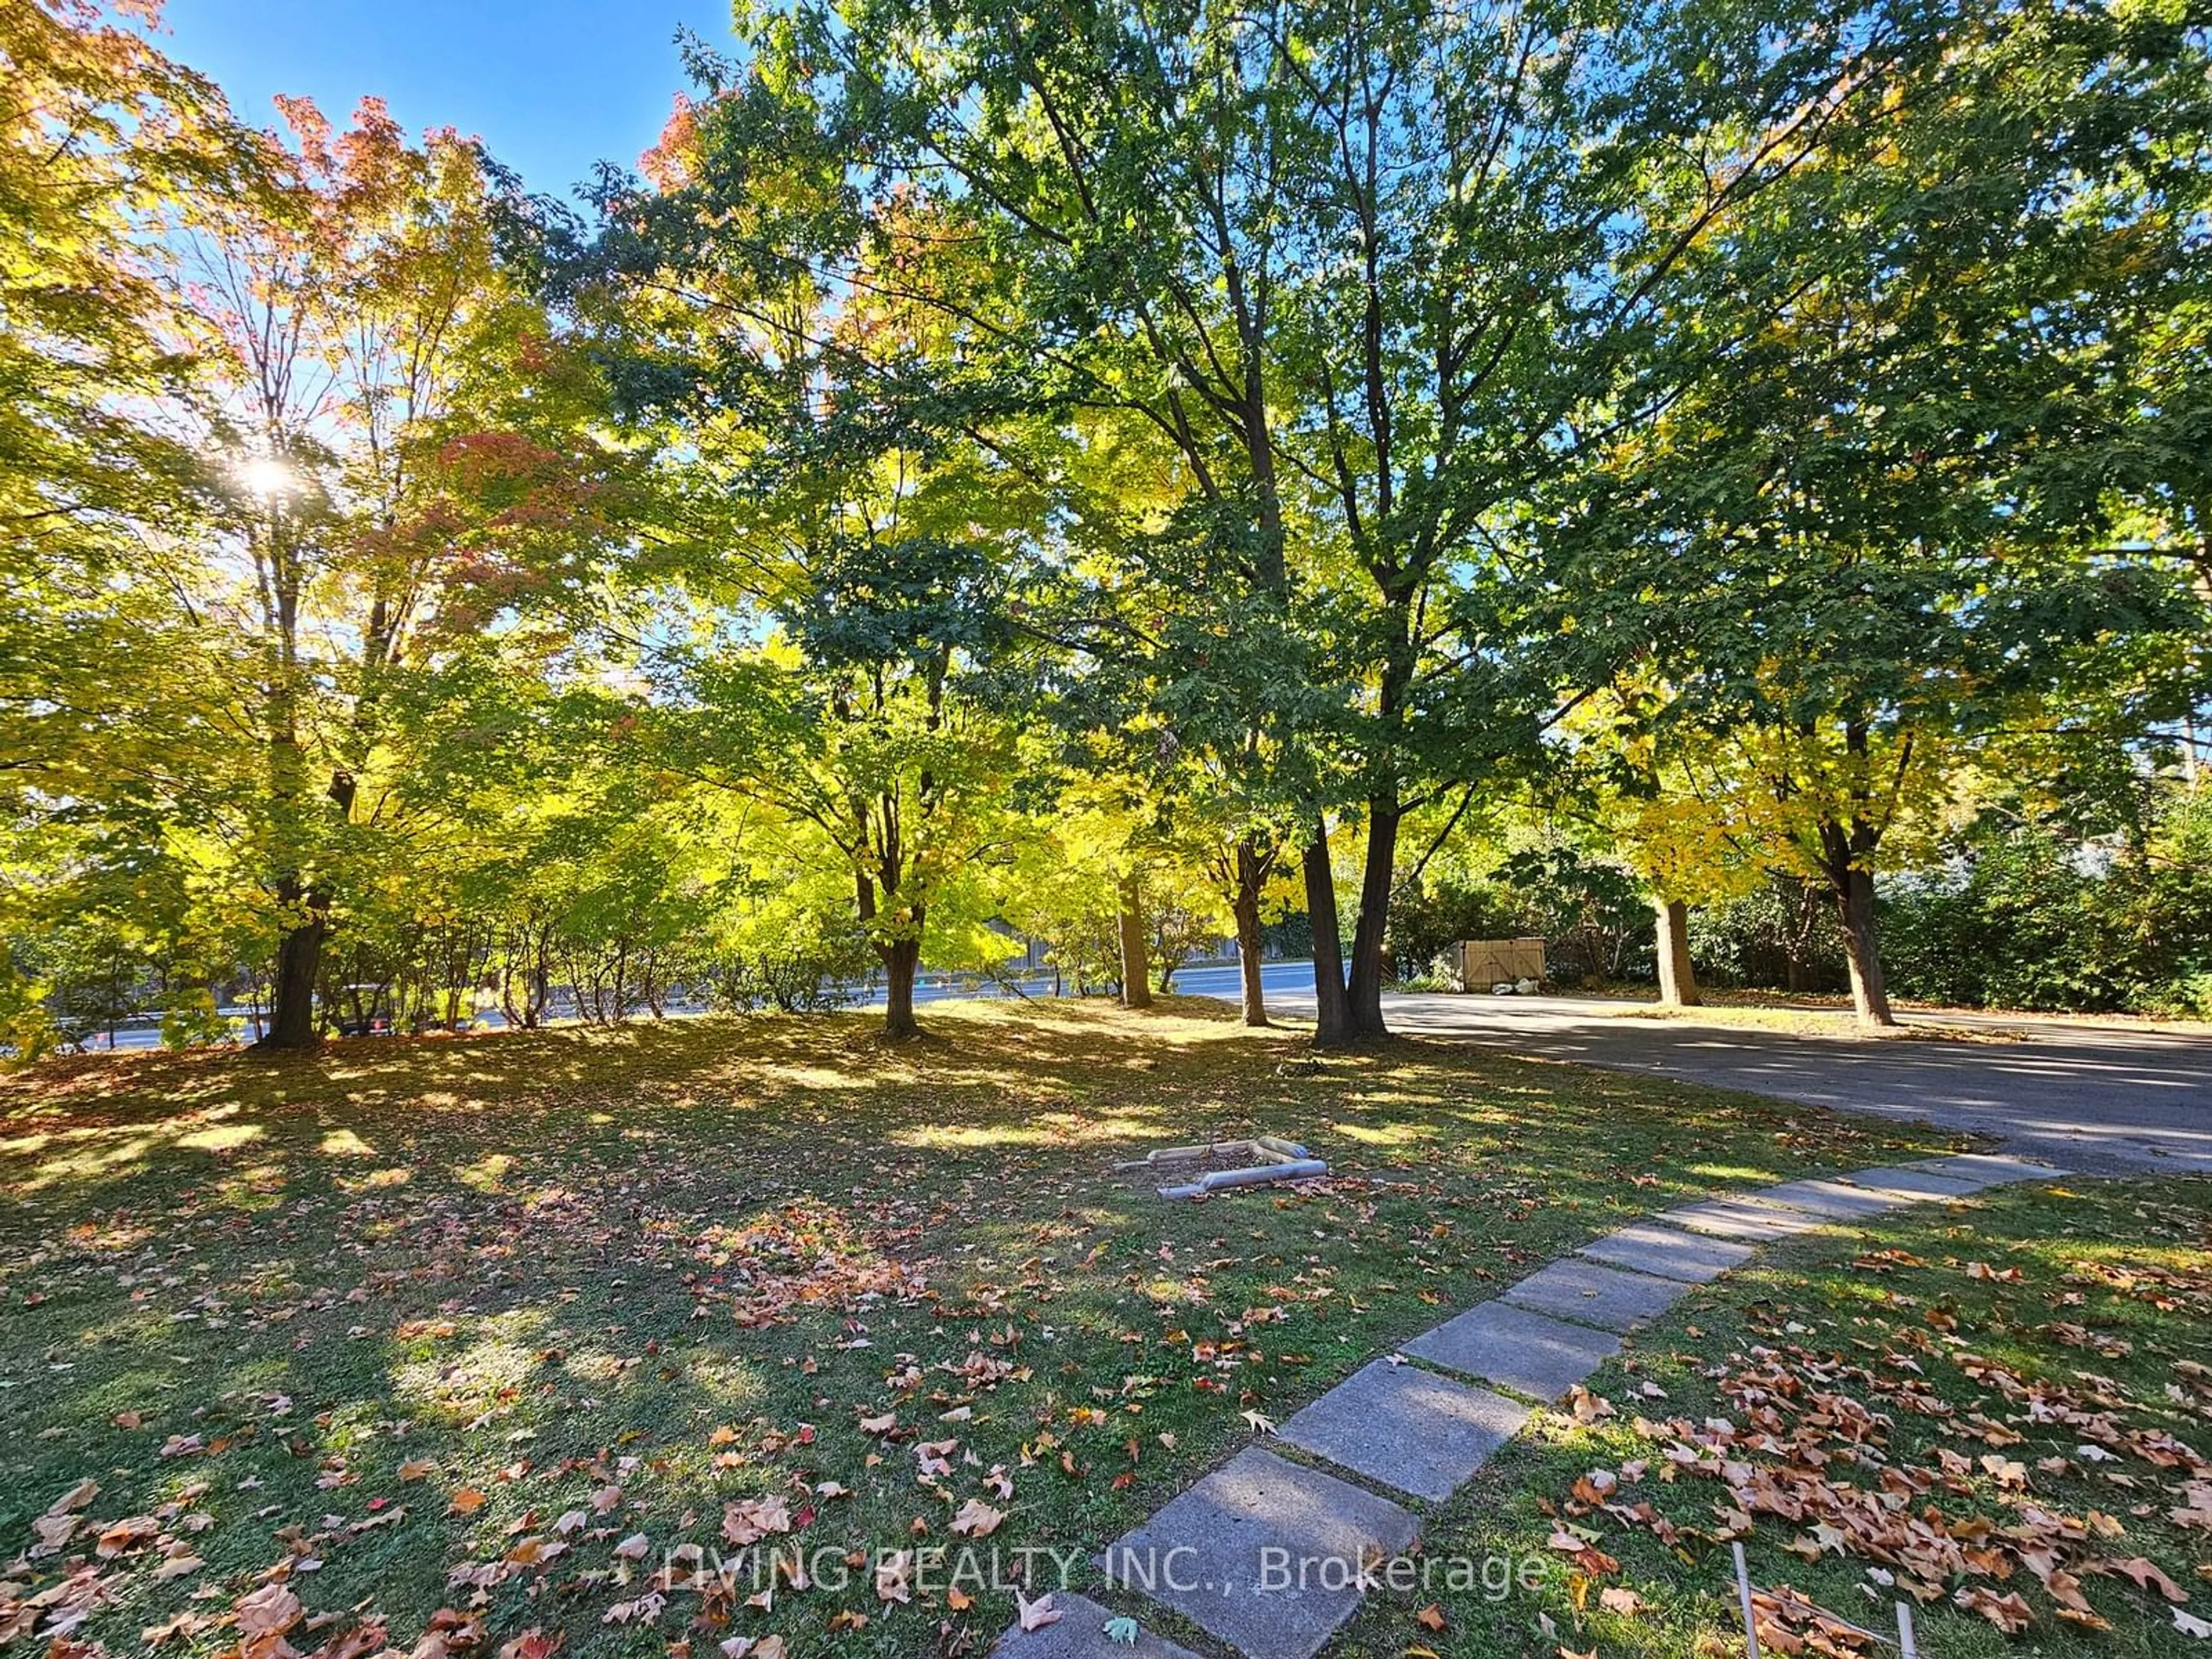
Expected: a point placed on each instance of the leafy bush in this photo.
(810, 964)
(192, 1020)
(2012, 923)
(1595, 920)
(2026, 916)
(1426, 924)
(1441, 975)
(1780, 936)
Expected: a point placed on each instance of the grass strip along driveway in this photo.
(1997, 1410)
(478, 1347)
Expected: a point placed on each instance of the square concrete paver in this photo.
(1831, 1200)
(1989, 1168)
(1405, 1427)
(1080, 1634)
(1516, 1349)
(1742, 1220)
(1595, 1294)
(1671, 1255)
(1262, 1553)
(1916, 1183)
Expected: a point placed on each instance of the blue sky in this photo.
(551, 85)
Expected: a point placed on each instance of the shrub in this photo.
(2026, 916)
(1780, 936)
(1426, 924)
(810, 965)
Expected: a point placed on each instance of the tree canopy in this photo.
(1084, 487)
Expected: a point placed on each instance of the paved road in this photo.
(2096, 1097)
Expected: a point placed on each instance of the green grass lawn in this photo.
(465, 1336)
(2007, 1398)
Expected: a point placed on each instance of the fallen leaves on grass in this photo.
(578, 1268)
(1588, 1407)
(754, 1519)
(1789, 1622)
(2144, 1574)
(1808, 1444)
(977, 1519)
(2008, 1613)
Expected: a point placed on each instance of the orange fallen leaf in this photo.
(133, 1532)
(2143, 1574)
(2008, 1613)
(977, 1519)
(269, 1611)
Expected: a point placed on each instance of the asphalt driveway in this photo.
(2099, 1098)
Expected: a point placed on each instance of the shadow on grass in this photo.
(543, 1264)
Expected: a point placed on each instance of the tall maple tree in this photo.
(844, 572)
(360, 343)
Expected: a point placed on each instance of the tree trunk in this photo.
(900, 957)
(1854, 906)
(299, 962)
(1801, 911)
(1678, 984)
(1369, 937)
(299, 954)
(1136, 972)
(1244, 905)
(1797, 972)
(1331, 1020)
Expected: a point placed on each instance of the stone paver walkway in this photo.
(1269, 1556)
(1407, 1428)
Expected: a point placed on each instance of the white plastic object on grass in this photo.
(1215, 1181)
